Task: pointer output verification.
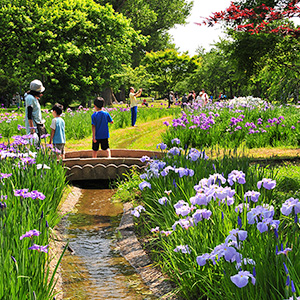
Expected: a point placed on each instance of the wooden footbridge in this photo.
(81, 166)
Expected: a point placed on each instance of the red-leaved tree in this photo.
(259, 18)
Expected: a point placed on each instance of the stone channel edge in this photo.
(129, 247)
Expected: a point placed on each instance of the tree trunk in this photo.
(108, 96)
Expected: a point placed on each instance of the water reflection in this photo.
(97, 271)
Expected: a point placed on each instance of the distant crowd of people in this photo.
(188, 99)
(191, 98)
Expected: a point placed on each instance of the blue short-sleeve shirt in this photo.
(100, 120)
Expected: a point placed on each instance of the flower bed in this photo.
(218, 228)
(31, 186)
(248, 122)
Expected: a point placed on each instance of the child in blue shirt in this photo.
(100, 120)
(58, 130)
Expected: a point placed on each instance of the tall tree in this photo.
(74, 46)
(153, 18)
(168, 67)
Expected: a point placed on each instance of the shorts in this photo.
(60, 147)
(103, 142)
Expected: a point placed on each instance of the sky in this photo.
(191, 36)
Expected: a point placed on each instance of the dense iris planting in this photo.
(217, 228)
(248, 122)
(31, 186)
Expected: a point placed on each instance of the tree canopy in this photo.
(73, 46)
(153, 19)
(168, 67)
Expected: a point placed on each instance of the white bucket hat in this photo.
(37, 86)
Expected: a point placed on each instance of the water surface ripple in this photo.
(97, 270)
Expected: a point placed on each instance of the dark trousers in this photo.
(133, 115)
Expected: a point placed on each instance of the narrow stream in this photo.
(96, 270)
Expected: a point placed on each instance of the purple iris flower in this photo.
(156, 229)
(200, 199)
(267, 183)
(222, 193)
(181, 171)
(253, 195)
(183, 210)
(202, 183)
(145, 158)
(175, 151)
(163, 201)
(30, 234)
(285, 251)
(21, 193)
(4, 175)
(229, 253)
(21, 127)
(144, 176)
(183, 249)
(236, 176)
(288, 206)
(229, 201)
(137, 210)
(39, 248)
(201, 260)
(184, 223)
(260, 212)
(194, 154)
(144, 184)
(175, 141)
(239, 208)
(166, 233)
(263, 225)
(236, 234)
(37, 195)
(3, 205)
(241, 279)
(201, 214)
(215, 179)
(166, 123)
(161, 146)
(28, 160)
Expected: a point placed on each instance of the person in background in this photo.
(145, 103)
(171, 99)
(190, 98)
(204, 97)
(33, 113)
(133, 104)
(176, 96)
(100, 120)
(58, 130)
(184, 101)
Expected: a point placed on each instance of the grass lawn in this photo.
(145, 137)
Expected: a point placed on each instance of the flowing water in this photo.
(96, 270)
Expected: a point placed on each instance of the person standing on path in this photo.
(100, 120)
(33, 113)
(133, 104)
(58, 130)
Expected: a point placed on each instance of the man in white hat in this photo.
(33, 113)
